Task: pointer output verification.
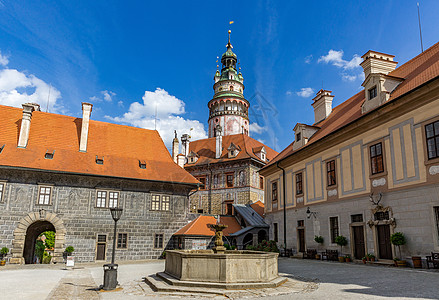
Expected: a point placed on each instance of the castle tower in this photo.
(228, 108)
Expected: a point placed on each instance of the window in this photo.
(99, 160)
(333, 223)
(2, 190)
(230, 180)
(381, 215)
(436, 213)
(330, 168)
(299, 184)
(155, 203)
(122, 240)
(49, 154)
(44, 193)
(158, 240)
(275, 232)
(160, 202)
(200, 211)
(101, 199)
(142, 164)
(432, 134)
(376, 158)
(298, 136)
(373, 92)
(203, 182)
(274, 191)
(229, 209)
(113, 198)
(300, 223)
(357, 218)
(261, 182)
(166, 202)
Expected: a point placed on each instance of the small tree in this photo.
(341, 241)
(318, 239)
(3, 252)
(398, 239)
(69, 250)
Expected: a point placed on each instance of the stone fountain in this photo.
(217, 268)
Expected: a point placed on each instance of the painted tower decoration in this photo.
(228, 108)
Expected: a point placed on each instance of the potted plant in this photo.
(3, 252)
(341, 241)
(398, 239)
(68, 252)
(347, 258)
(371, 256)
(364, 259)
(319, 240)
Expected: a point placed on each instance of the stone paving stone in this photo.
(77, 284)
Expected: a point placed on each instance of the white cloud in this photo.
(120, 103)
(305, 92)
(108, 95)
(308, 59)
(347, 77)
(3, 60)
(256, 128)
(17, 88)
(289, 93)
(336, 58)
(169, 110)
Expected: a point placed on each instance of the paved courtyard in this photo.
(307, 280)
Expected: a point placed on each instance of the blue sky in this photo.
(133, 58)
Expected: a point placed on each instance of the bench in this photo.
(285, 252)
(434, 260)
(330, 255)
(310, 253)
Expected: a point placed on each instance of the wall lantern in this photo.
(310, 213)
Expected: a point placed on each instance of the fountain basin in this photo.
(229, 267)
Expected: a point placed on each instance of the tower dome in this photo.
(228, 107)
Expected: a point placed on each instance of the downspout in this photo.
(285, 204)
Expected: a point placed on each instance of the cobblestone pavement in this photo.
(307, 280)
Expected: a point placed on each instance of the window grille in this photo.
(333, 222)
(357, 218)
(381, 216)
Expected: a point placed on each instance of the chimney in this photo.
(322, 105)
(219, 141)
(86, 112)
(175, 147)
(377, 63)
(181, 160)
(28, 108)
(185, 140)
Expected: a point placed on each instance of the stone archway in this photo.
(43, 218)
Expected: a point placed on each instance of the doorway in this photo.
(359, 244)
(384, 246)
(101, 247)
(301, 235)
(32, 233)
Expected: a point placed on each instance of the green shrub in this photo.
(46, 258)
(318, 239)
(39, 249)
(69, 249)
(4, 251)
(341, 241)
(398, 239)
(50, 239)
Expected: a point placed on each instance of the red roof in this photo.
(122, 147)
(415, 72)
(206, 149)
(199, 226)
(258, 206)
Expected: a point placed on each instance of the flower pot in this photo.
(341, 258)
(417, 262)
(2, 262)
(401, 263)
(318, 256)
(372, 259)
(347, 259)
(364, 261)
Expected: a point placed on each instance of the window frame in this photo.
(297, 182)
(203, 180)
(331, 171)
(276, 232)
(162, 240)
(157, 205)
(107, 198)
(261, 182)
(435, 139)
(45, 186)
(372, 89)
(126, 241)
(2, 190)
(375, 158)
(227, 180)
(274, 192)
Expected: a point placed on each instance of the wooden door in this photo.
(100, 253)
(384, 247)
(301, 234)
(359, 246)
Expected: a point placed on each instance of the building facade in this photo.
(62, 174)
(365, 169)
(227, 163)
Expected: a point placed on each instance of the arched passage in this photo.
(32, 232)
(41, 219)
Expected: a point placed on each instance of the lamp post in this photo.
(110, 270)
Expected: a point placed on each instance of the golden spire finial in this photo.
(229, 35)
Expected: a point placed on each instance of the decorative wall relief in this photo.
(332, 193)
(433, 170)
(300, 200)
(378, 182)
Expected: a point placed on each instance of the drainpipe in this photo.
(285, 204)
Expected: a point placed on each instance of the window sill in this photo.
(432, 161)
(332, 187)
(378, 175)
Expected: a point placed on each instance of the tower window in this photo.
(373, 92)
(231, 87)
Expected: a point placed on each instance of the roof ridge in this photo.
(417, 56)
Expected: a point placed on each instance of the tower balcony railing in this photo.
(228, 112)
(227, 93)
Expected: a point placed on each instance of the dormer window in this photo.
(233, 150)
(372, 92)
(192, 157)
(99, 160)
(49, 154)
(298, 136)
(1, 148)
(142, 164)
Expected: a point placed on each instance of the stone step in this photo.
(159, 285)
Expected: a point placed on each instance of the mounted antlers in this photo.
(373, 201)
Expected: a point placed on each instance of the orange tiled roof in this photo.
(415, 72)
(258, 206)
(199, 226)
(205, 148)
(121, 147)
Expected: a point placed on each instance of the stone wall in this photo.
(74, 202)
